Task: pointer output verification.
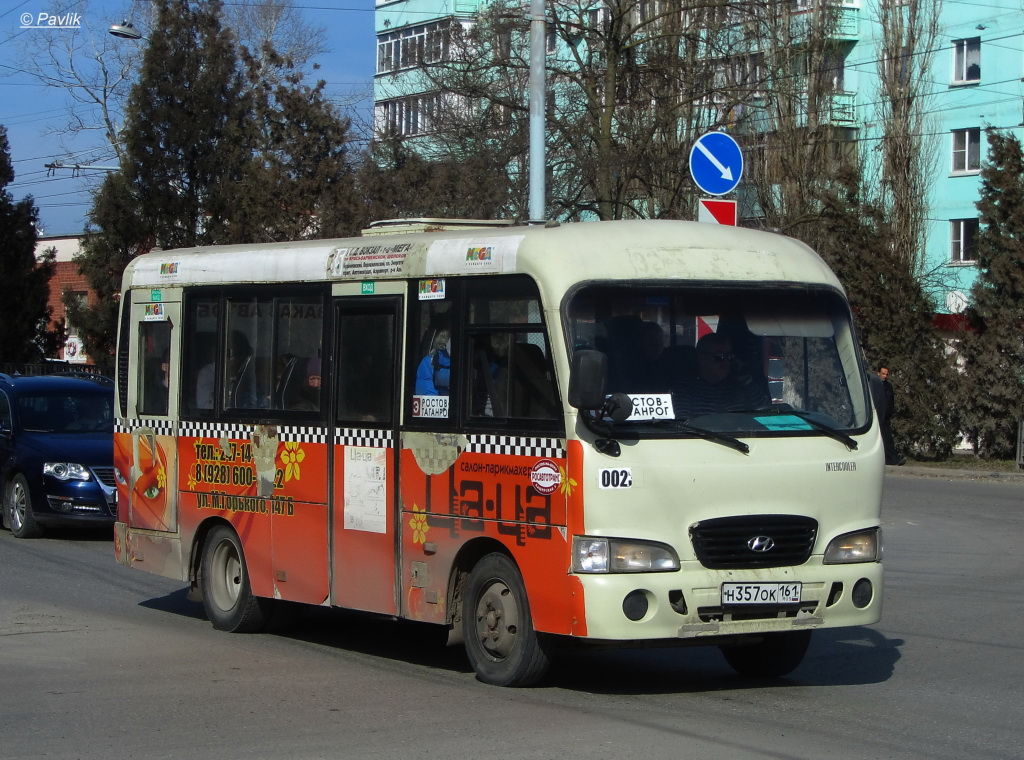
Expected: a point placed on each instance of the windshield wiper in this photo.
(711, 435)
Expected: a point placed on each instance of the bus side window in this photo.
(512, 374)
(365, 367)
(154, 356)
(433, 360)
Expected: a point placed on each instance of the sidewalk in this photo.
(991, 476)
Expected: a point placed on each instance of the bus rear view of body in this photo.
(605, 433)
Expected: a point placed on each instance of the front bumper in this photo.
(688, 603)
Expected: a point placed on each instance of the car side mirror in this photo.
(587, 379)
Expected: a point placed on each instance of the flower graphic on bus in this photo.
(567, 483)
(419, 526)
(290, 458)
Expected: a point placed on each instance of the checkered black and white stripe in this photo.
(377, 439)
(552, 448)
(302, 434)
(159, 427)
(232, 431)
(238, 432)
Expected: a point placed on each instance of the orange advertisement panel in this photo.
(144, 467)
(512, 490)
(364, 521)
(271, 485)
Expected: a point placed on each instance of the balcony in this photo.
(843, 109)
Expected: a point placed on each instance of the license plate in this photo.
(760, 593)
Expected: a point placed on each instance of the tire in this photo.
(502, 645)
(224, 580)
(776, 655)
(19, 509)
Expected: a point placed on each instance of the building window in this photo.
(966, 150)
(963, 241)
(409, 116)
(413, 46)
(967, 60)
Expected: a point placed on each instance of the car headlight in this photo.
(618, 555)
(66, 471)
(862, 546)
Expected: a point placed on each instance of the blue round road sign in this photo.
(716, 163)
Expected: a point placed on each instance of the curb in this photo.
(993, 476)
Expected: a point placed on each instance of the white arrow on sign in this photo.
(726, 171)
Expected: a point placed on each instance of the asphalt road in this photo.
(98, 661)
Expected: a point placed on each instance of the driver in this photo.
(718, 384)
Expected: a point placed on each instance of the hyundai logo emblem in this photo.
(761, 544)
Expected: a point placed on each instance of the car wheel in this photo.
(227, 596)
(776, 655)
(19, 509)
(502, 645)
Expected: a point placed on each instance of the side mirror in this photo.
(587, 379)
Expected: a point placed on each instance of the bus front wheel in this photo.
(224, 579)
(502, 645)
(774, 656)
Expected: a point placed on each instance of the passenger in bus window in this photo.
(433, 374)
(154, 396)
(204, 348)
(309, 393)
(719, 384)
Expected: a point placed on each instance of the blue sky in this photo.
(27, 108)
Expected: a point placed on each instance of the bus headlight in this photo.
(618, 555)
(862, 546)
(66, 471)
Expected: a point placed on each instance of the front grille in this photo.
(105, 476)
(724, 543)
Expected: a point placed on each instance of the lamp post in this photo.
(537, 111)
(125, 30)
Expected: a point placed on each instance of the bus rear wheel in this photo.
(501, 642)
(224, 579)
(774, 656)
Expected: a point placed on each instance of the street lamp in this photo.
(125, 31)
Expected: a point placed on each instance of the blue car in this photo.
(56, 452)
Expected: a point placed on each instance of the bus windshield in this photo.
(752, 361)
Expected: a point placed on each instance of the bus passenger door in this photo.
(153, 410)
(367, 368)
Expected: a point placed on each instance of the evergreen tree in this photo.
(993, 351)
(893, 317)
(397, 182)
(187, 136)
(103, 260)
(24, 282)
(217, 150)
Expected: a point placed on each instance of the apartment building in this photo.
(972, 81)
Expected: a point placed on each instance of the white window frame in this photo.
(411, 46)
(966, 150)
(409, 116)
(967, 56)
(963, 240)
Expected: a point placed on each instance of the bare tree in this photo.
(631, 85)
(906, 47)
(96, 70)
(276, 26)
(797, 124)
